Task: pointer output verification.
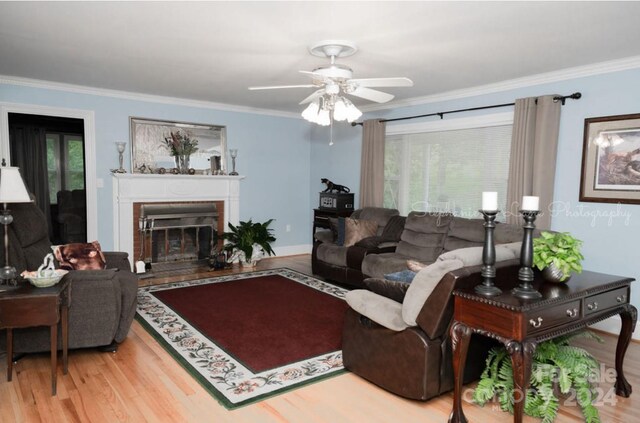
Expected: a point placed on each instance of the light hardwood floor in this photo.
(142, 383)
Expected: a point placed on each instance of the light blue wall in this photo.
(610, 246)
(274, 154)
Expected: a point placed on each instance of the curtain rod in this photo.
(561, 98)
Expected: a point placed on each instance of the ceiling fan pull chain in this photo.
(331, 131)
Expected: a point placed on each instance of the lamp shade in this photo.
(12, 188)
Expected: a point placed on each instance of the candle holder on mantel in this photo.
(525, 290)
(488, 272)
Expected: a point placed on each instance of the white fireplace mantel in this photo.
(136, 188)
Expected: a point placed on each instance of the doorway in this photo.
(50, 152)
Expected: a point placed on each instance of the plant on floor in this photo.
(557, 368)
(249, 240)
(558, 249)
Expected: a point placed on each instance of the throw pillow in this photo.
(404, 276)
(390, 289)
(357, 229)
(80, 256)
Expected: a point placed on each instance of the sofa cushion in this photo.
(472, 256)
(382, 310)
(464, 233)
(357, 229)
(393, 229)
(424, 235)
(390, 289)
(332, 254)
(377, 265)
(423, 284)
(505, 233)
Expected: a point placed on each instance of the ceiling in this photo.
(213, 51)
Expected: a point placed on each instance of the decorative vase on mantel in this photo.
(182, 163)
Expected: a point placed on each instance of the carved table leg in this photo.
(521, 357)
(460, 336)
(629, 317)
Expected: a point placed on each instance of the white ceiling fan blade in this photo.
(277, 87)
(383, 82)
(316, 94)
(371, 95)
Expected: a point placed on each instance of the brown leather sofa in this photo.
(103, 302)
(344, 264)
(405, 347)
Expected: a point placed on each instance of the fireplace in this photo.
(178, 231)
(130, 191)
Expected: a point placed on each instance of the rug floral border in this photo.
(222, 375)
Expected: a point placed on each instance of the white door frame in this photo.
(88, 116)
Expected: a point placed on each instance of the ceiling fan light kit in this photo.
(334, 81)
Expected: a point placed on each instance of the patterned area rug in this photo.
(243, 360)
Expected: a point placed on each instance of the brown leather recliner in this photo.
(408, 352)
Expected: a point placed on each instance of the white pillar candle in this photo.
(530, 203)
(490, 201)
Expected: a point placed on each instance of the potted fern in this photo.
(249, 241)
(557, 255)
(557, 369)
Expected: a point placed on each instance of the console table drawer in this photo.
(558, 315)
(606, 300)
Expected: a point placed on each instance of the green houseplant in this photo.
(557, 369)
(557, 255)
(248, 241)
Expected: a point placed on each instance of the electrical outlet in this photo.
(288, 228)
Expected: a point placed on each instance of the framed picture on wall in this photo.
(149, 151)
(611, 160)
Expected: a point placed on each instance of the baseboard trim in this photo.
(293, 250)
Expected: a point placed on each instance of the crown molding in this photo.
(527, 81)
(127, 95)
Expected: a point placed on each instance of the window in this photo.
(446, 165)
(65, 163)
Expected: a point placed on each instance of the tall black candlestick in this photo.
(526, 290)
(488, 271)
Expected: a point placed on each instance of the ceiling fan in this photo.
(334, 80)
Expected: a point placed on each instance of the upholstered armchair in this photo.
(404, 347)
(103, 302)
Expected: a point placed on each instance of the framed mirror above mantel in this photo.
(150, 152)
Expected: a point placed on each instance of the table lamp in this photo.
(12, 190)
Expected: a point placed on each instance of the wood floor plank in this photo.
(143, 383)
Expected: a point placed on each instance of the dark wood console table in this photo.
(27, 306)
(521, 324)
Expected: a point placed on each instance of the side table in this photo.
(522, 324)
(27, 306)
(321, 217)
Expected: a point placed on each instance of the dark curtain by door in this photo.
(29, 153)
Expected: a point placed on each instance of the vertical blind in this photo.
(446, 170)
